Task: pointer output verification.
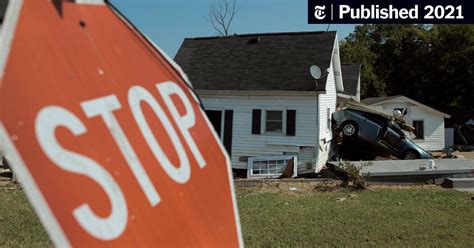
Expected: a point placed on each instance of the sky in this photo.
(168, 22)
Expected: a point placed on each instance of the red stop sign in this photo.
(106, 136)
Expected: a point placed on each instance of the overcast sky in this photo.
(168, 22)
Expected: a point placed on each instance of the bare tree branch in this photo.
(221, 15)
(214, 25)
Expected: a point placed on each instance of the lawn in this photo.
(19, 225)
(377, 217)
(403, 217)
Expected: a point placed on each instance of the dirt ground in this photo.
(291, 186)
(303, 187)
(467, 155)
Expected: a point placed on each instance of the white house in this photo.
(428, 122)
(258, 92)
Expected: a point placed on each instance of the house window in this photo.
(274, 121)
(270, 166)
(3, 9)
(419, 129)
(328, 117)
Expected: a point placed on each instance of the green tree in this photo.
(451, 69)
(430, 63)
(356, 49)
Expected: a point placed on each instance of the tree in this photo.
(432, 64)
(221, 15)
(355, 49)
(452, 66)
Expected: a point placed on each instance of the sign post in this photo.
(106, 135)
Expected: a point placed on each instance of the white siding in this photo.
(244, 143)
(433, 123)
(326, 101)
(312, 142)
(358, 90)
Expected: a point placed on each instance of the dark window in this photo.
(215, 117)
(396, 128)
(274, 121)
(3, 8)
(419, 129)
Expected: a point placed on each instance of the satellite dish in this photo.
(315, 71)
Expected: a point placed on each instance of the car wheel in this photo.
(349, 129)
(410, 155)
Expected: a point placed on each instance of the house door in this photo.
(222, 122)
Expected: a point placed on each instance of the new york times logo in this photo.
(390, 11)
(319, 12)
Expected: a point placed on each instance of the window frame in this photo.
(268, 159)
(423, 124)
(263, 121)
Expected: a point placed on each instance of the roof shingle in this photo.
(350, 77)
(374, 100)
(271, 61)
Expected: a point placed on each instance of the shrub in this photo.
(352, 177)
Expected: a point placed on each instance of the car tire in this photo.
(349, 129)
(410, 155)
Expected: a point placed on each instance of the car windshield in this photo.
(396, 127)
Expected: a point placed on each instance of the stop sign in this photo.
(106, 135)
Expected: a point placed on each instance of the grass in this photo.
(19, 225)
(380, 217)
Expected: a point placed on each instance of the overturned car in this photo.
(357, 121)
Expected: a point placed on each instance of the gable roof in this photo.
(350, 78)
(378, 100)
(269, 61)
(375, 100)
